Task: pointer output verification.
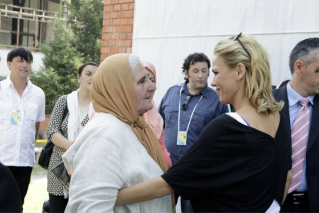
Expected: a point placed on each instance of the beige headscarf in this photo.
(113, 92)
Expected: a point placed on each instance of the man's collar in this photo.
(204, 91)
(7, 82)
(294, 97)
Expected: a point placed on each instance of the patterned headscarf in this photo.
(152, 117)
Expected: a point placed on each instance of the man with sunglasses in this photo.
(187, 108)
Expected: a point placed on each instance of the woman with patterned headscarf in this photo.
(153, 118)
(117, 148)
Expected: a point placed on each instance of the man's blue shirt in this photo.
(207, 109)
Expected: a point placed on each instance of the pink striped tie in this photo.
(299, 138)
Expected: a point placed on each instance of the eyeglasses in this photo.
(188, 97)
(237, 38)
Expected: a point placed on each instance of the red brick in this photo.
(106, 15)
(108, 8)
(114, 1)
(124, 29)
(106, 36)
(129, 49)
(115, 36)
(112, 43)
(104, 43)
(131, 7)
(125, 1)
(123, 35)
(130, 21)
(124, 21)
(129, 36)
(107, 22)
(107, 2)
(114, 50)
(125, 6)
(113, 15)
(116, 21)
(117, 7)
(105, 49)
(123, 43)
(114, 29)
(122, 50)
(103, 56)
(126, 14)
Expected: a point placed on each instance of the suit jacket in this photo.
(312, 154)
(9, 192)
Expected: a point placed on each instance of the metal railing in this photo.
(27, 13)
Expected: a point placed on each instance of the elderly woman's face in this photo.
(144, 89)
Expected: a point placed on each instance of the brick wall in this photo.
(44, 125)
(117, 28)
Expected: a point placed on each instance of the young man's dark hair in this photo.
(22, 52)
(305, 51)
(192, 59)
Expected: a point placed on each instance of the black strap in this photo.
(66, 110)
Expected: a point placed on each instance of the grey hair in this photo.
(134, 60)
(305, 51)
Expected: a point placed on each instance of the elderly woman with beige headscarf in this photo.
(117, 148)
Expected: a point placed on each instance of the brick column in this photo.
(117, 31)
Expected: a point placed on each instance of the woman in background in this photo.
(153, 118)
(70, 113)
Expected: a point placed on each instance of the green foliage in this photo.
(48, 80)
(69, 49)
(61, 61)
(88, 28)
(62, 57)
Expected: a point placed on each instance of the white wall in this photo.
(4, 70)
(167, 31)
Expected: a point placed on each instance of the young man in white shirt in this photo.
(22, 108)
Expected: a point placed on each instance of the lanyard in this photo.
(179, 110)
(21, 104)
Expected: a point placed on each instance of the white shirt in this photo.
(18, 117)
(106, 157)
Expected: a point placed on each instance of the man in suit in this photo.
(303, 195)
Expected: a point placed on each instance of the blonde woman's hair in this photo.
(258, 77)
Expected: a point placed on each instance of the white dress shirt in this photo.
(18, 117)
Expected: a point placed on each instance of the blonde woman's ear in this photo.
(241, 70)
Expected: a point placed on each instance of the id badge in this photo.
(181, 138)
(15, 117)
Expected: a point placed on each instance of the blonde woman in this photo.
(241, 161)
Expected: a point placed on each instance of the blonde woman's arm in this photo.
(147, 190)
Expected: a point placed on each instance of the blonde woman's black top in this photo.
(233, 167)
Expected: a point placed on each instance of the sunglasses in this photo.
(184, 106)
(237, 38)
